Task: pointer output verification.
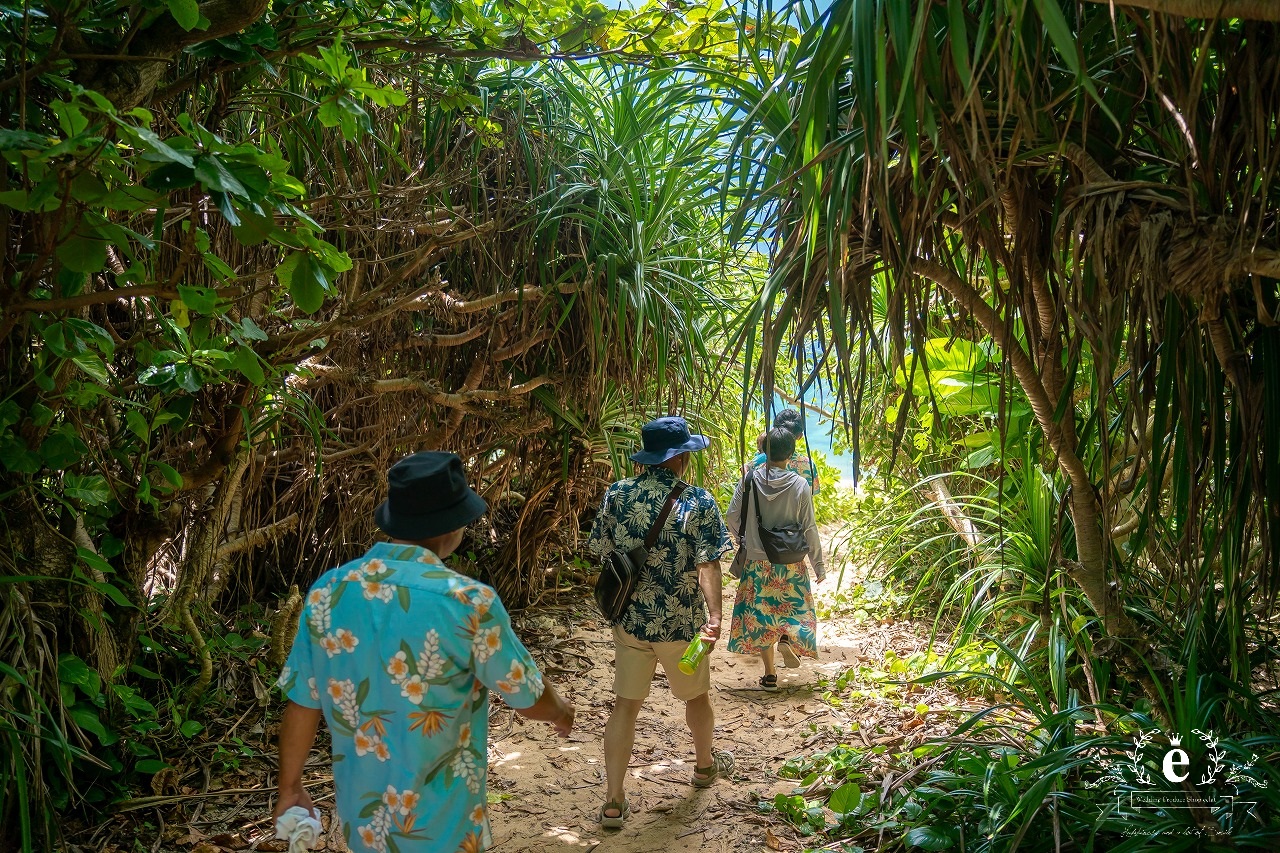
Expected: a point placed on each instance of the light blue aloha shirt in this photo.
(667, 606)
(398, 651)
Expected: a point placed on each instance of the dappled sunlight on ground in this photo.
(545, 793)
(559, 790)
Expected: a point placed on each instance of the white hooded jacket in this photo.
(784, 498)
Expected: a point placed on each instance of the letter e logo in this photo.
(1174, 760)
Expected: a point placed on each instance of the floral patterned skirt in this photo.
(773, 600)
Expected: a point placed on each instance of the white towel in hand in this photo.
(299, 827)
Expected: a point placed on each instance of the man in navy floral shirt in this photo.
(681, 575)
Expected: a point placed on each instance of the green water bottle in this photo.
(693, 655)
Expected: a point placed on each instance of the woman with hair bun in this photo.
(802, 463)
(774, 602)
(793, 422)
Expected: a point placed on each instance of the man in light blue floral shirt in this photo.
(399, 653)
(681, 575)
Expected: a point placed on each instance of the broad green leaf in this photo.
(250, 330)
(150, 675)
(87, 718)
(158, 374)
(62, 448)
(159, 150)
(170, 177)
(22, 140)
(73, 670)
(185, 12)
(94, 366)
(930, 838)
(216, 175)
(442, 9)
(81, 253)
(217, 267)
(170, 474)
(287, 269)
(17, 199)
(150, 766)
(90, 489)
(187, 377)
(203, 300)
(90, 333)
(111, 591)
(253, 228)
(71, 117)
(180, 313)
(247, 362)
(16, 457)
(130, 198)
(302, 277)
(132, 702)
(88, 187)
(845, 798)
(137, 424)
(981, 438)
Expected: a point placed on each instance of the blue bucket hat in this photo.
(664, 438)
(428, 496)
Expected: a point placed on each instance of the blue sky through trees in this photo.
(820, 431)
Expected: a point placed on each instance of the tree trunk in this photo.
(1091, 571)
(197, 567)
(960, 523)
(130, 81)
(1249, 10)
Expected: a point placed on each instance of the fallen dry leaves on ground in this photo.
(545, 793)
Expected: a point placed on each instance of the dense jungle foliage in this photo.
(1054, 226)
(254, 256)
(254, 253)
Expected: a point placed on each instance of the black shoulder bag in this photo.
(620, 570)
(783, 545)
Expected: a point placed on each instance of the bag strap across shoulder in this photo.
(742, 524)
(759, 520)
(652, 537)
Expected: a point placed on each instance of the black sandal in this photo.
(769, 682)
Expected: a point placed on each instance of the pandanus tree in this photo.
(1091, 187)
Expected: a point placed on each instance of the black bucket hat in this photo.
(664, 438)
(428, 496)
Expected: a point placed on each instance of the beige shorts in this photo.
(637, 661)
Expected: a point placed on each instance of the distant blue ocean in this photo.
(819, 432)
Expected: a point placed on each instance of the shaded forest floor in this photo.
(545, 793)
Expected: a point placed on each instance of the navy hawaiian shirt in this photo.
(667, 606)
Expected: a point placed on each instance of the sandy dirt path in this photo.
(546, 794)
